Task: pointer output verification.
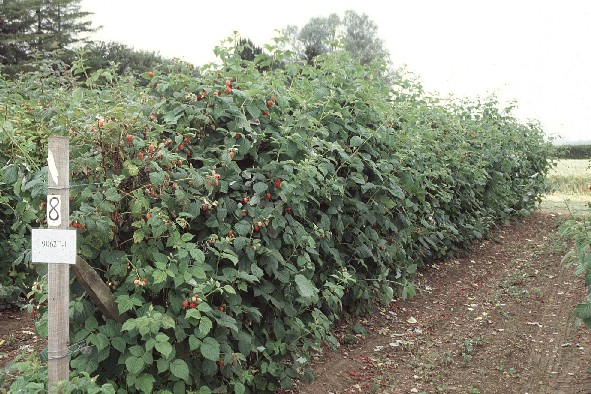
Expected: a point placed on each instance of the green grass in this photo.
(570, 177)
(566, 202)
(568, 186)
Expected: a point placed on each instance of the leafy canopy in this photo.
(354, 33)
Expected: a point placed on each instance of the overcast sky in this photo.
(536, 53)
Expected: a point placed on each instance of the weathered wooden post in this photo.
(57, 247)
(58, 216)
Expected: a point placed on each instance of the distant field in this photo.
(568, 184)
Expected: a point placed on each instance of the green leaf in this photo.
(91, 323)
(197, 272)
(8, 127)
(194, 343)
(239, 388)
(157, 178)
(241, 242)
(253, 110)
(355, 141)
(205, 326)
(243, 227)
(179, 388)
(256, 270)
(159, 276)
(129, 325)
(126, 303)
(228, 321)
(100, 341)
(180, 369)
(204, 307)
(138, 204)
(387, 295)
(138, 236)
(162, 365)
(197, 255)
(164, 348)
(111, 194)
(167, 322)
(292, 149)
(186, 237)
(583, 311)
(162, 337)
(210, 349)
(157, 225)
(150, 344)
(10, 174)
(137, 350)
(134, 364)
(171, 117)
(204, 390)
(408, 289)
(229, 289)
(260, 187)
(193, 313)
(228, 254)
(118, 343)
(77, 96)
(145, 383)
(357, 178)
(305, 286)
(131, 168)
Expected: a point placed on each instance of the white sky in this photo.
(537, 53)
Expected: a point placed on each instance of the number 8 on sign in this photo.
(54, 203)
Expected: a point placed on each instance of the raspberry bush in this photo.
(236, 214)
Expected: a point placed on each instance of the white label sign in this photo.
(53, 246)
(54, 204)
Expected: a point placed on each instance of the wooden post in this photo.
(58, 216)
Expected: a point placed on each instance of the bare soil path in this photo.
(498, 320)
(17, 334)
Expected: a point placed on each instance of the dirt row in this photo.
(17, 335)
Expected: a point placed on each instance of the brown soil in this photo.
(498, 320)
(17, 334)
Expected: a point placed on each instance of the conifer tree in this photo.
(41, 26)
(16, 25)
(61, 23)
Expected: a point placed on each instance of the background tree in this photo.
(360, 38)
(31, 28)
(319, 36)
(60, 24)
(16, 24)
(248, 50)
(98, 55)
(354, 33)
